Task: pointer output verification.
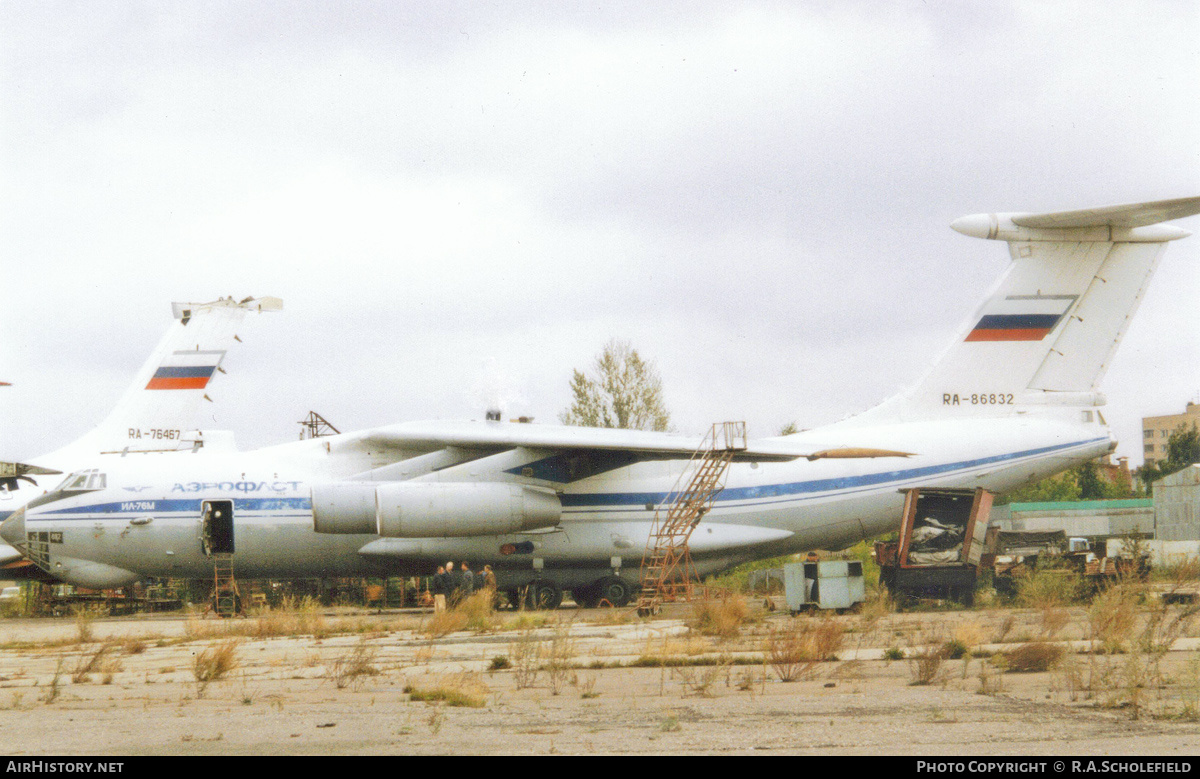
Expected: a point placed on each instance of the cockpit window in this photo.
(84, 480)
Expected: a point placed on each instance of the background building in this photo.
(1156, 431)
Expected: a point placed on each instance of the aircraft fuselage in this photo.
(142, 515)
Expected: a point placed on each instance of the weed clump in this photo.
(925, 664)
(1050, 588)
(213, 663)
(351, 668)
(443, 623)
(955, 649)
(720, 618)
(794, 651)
(1034, 657)
(96, 662)
(479, 611)
(463, 689)
(1112, 618)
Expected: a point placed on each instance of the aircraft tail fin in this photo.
(161, 410)
(1048, 331)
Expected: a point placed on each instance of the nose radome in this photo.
(12, 530)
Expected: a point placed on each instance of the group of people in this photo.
(451, 585)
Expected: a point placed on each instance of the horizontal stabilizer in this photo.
(1130, 215)
(1132, 223)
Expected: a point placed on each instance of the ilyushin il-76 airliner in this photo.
(1013, 399)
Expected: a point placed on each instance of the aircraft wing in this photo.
(430, 436)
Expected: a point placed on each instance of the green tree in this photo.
(1183, 449)
(1060, 487)
(1083, 482)
(622, 390)
(1091, 486)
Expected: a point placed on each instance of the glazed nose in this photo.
(12, 530)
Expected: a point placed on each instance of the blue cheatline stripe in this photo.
(190, 505)
(816, 485)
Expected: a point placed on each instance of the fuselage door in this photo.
(217, 531)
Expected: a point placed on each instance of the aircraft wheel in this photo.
(544, 594)
(586, 597)
(613, 589)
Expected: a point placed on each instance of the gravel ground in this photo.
(298, 694)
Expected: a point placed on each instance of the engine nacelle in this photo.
(432, 509)
(344, 507)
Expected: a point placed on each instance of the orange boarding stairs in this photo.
(667, 572)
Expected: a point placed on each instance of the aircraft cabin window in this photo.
(84, 480)
(76, 482)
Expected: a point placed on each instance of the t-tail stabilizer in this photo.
(1048, 331)
(161, 410)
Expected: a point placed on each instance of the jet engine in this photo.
(411, 509)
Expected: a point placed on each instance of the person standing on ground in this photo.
(439, 589)
(454, 583)
(468, 579)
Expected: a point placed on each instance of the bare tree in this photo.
(623, 390)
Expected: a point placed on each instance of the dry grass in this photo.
(1049, 588)
(991, 680)
(465, 689)
(1113, 617)
(1034, 657)
(794, 651)
(525, 654)
(473, 613)
(1004, 629)
(1054, 619)
(720, 618)
(970, 633)
(443, 623)
(559, 652)
(85, 616)
(613, 617)
(97, 661)
(925, 663)
(788, 654)
(292, 618)
(352, 667)
(132, 646)
(213, 663)
(696, 680)
(480, 611)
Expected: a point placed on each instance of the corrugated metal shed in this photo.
(1087, 518)
(1177, 506)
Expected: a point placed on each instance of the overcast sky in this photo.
(464, 201)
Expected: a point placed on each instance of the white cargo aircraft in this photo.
(1012, 400)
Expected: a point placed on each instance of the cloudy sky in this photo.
(464, 201)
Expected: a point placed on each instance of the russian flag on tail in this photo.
(1021, 318)
(186, 370)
